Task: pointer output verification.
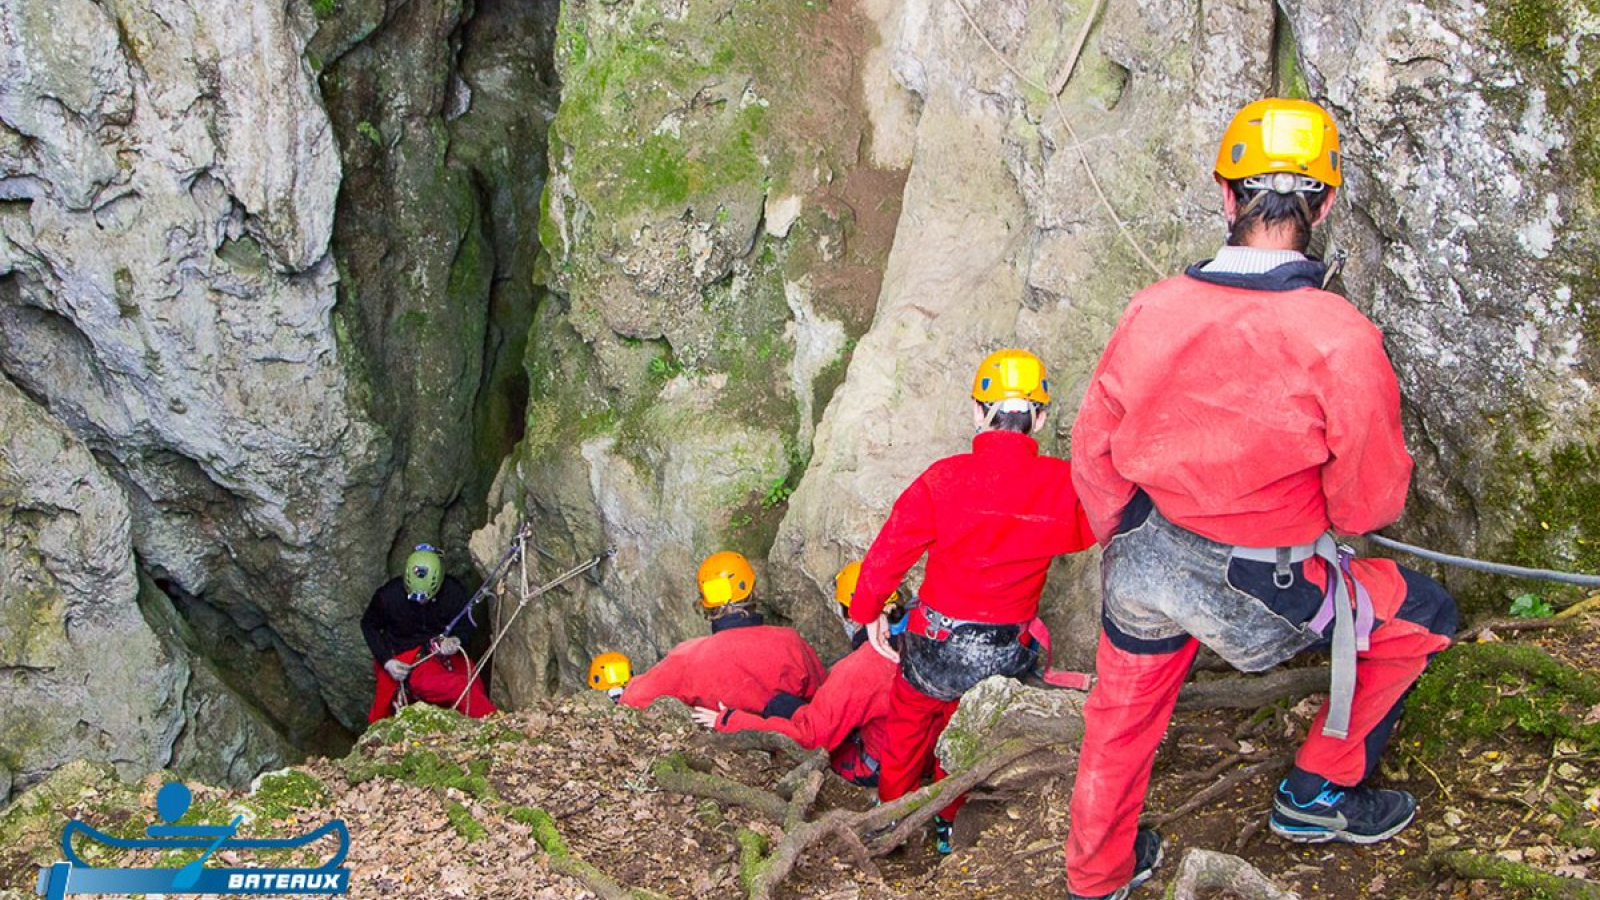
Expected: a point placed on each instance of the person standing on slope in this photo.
(1240, 415)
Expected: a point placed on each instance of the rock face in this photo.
(272, 270)
(714, 237)
(267, 404)
(86, 675)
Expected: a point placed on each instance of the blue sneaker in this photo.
(1356, 815)
(943, 835)
(1147, 845)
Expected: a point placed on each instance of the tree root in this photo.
(1221, 787)
(1566, 616)
(564, 861)
(1206, 870)
(1253, 691)
(1510, 874)
(674, 774)
(862, 835)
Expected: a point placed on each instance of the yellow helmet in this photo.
(1274, 135)
(844, 587)
(1011, 375)
(725, 578)
(610, 670)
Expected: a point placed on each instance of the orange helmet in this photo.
(1011, 375)
(1294, 137)
(844, 587)
(610, 670)
(725, 578)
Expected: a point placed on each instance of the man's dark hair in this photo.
(1020, 422)
(1262, 208)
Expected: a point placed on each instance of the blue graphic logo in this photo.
(76, 877)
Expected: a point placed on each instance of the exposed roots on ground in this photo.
(862, 835)
(564, 861)
(1253, 691)
(1221, 787)
(1201, 872)
(1514, 875)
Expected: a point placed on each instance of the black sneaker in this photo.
(943, 835)
(1146, 856)
(1358, 815)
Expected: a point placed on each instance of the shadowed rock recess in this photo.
(288, 287)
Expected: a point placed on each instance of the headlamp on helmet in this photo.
(424, 573)
(610, 672)
(1013, 380)
(725, 578)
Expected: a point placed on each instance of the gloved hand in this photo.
(447, 645)
(397, 669)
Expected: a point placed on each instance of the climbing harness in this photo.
(518, 552)
(1479, 565)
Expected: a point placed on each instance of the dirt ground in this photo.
(446, 808)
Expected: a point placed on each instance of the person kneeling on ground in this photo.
(414, 657)
(1239, 415)
(849, 713)
(743, 664)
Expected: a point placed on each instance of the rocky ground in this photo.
(565, 800)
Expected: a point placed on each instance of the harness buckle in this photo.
(1282, 575)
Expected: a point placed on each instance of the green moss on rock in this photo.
(416, 720)
(1478, 691)
(465, 824)
(280, 794)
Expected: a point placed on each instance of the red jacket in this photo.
(990, 521)
(1251, 417)
(741, 667)
(856, 695)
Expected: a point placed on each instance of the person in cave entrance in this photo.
(743, 664)
(1239, 415)
(413, 656)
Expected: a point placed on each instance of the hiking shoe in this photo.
(943, 835)
(1146, 856)
(1357, 815)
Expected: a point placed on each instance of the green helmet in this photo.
(424, 573)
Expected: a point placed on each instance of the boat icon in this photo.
(75, 876)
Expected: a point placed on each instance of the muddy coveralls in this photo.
(743, 663)
(396, 627)
(847, 716)
(990, 522)
(1232, 421)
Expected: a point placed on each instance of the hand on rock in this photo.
(708, 717)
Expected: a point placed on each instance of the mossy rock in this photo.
(277, 795)
(424, 768)
(1479, 691)
(416, 720)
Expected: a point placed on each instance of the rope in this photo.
(1055, 103)
(1478, 565)
(512, 552)
(527, 597)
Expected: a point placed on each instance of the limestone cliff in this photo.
(297, 284)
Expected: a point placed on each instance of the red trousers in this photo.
(911, 731)
(433, 683)
(1126, 716)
